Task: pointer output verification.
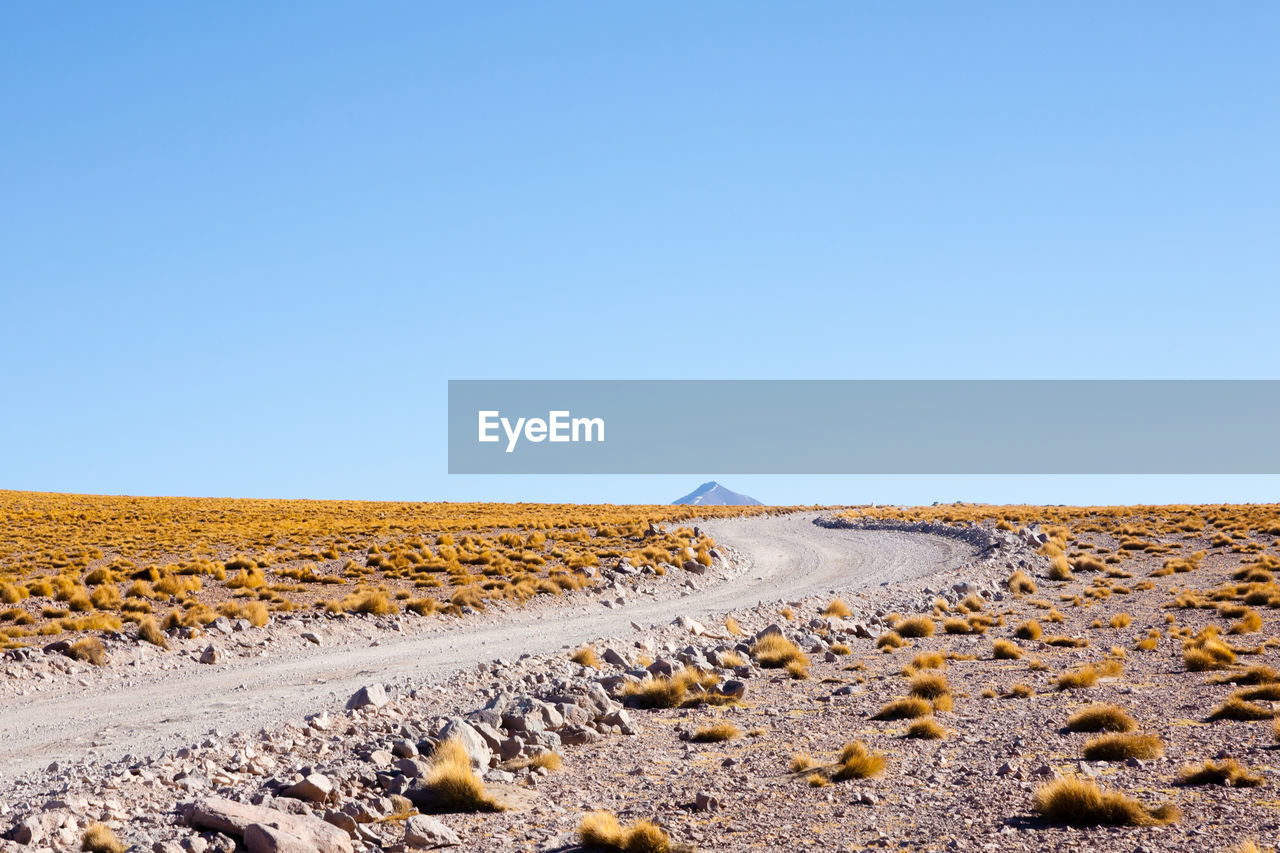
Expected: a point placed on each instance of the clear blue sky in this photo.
(244, 245)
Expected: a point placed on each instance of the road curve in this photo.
(790, 558)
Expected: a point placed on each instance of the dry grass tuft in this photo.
(451, 783)
(99, 838)
(716, 733)
(930, 685)
(89, 650)
(838, 609)
(889, 641)
(857, 762)
(915, 626)
(668, 691)
(1118, 747)
(801, 762)
(774, 651)
(1020, 583)
(926, 729)
(1080, 802)
(1101, 718)
(908, 708)
(1005, 650)
(550, 761)
(150, 632)
(601, 831)
(1239, 710)
(1079, 678)
(586, 656)
(1228, 772)
(1029, 630)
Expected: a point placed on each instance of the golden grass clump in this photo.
(1080, 802)
(99, 838)
(1020, 583)
(586, 656)
(1121, 620)
(1240, 710)
(1029, 630)
(150, 632)
(1079, 678)
(88, 650)
(1005, 650)
(908, 708)
(925, 660)
(668, 691)
(1121, 746)
(451, 783)
(1060, 569)
(915, 627)
(716, 733)
(602, 831)
(800, 762)
(890, 640)
(1227, 772)
(926, 729)
(774, 651)
(798, 669)
(857, 762)
(930, 685)
(838, 609)
(1101, 718)
(1250, 622)
(1020, 691)
(550, 761)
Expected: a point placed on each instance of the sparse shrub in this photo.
(99, 838)
(601, 831)
(838, 609)
(915, 626)
(716, 733)
(926, 729)
(1228, 772)
(1101, 718)
(586, 656)
(451, 784)
(1005, 650)
(1080, 802)
(857, 762)
(1029, 630)
(774, 651)
(907, 708)
(1121, 746)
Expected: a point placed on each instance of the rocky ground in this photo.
(352, 778)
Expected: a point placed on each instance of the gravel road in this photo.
(141, 714)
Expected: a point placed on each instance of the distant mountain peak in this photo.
(714, 494)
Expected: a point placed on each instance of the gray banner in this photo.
(864, 427)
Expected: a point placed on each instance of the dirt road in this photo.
(790, 556)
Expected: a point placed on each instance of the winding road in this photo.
(141, 714)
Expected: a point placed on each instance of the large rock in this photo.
(260, 838)
(427, 832)
(315, 788)
(372, 694)
(234, 819)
